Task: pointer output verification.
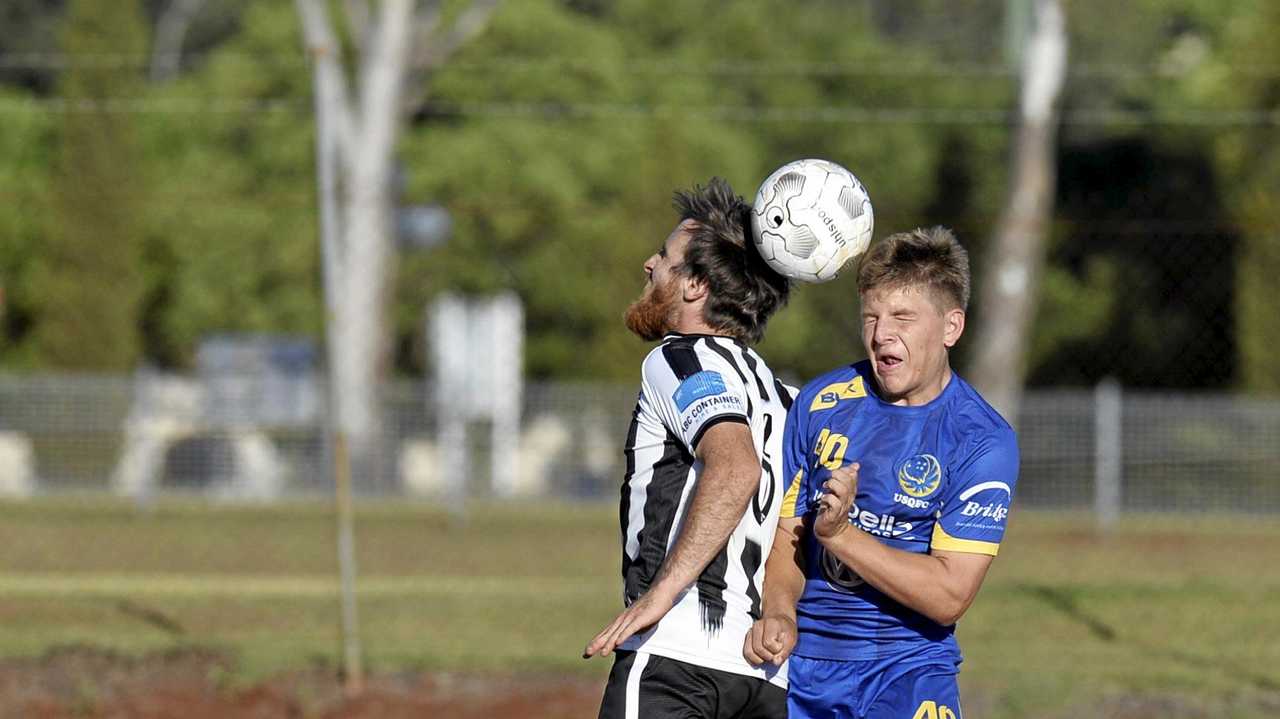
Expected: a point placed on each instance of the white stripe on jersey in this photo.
(646, 455)
(632, 705)
(688, 384)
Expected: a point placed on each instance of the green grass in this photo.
(1173, 615)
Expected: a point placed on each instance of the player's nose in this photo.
(883, 335)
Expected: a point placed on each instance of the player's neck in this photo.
(927, 391)
(689, 322)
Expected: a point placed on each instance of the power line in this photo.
(576, 111)
(871, 67)
(148, 106)
(1075, 225)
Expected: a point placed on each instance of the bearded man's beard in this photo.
(654, 314)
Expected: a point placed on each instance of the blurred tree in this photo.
(1140, 285)
(563, 164)
(1249, 155)
(360, 98)
(557, 139)
(172, 26)
(1011, 281)
(29, 40)
(231, 213)
(27, 148)
(1142, 276)
(359, 101)
(90, 272)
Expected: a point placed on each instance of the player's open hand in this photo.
(770, 641)
(643, 613)
(837, 497)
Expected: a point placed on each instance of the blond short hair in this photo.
(931, 258)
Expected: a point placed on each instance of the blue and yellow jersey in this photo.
(935, 476)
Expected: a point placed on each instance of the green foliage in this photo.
(1251, 157)
(90, 270)
(1150, 240)
(556, 138)
(206, 211)
(29, 27)
(1218, 58)
(559, 167)
(27, 147)
(232, 223)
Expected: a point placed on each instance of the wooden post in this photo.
(352, 661)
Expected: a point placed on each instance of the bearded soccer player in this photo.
(901, 482)
(704, 479)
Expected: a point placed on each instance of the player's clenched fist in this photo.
(837, 497)
(770, 641)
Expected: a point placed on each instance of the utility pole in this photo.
(1010, 277)
(356, 131)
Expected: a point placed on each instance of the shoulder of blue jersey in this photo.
(830, 389)
(983, 414)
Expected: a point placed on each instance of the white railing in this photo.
(1104, 449)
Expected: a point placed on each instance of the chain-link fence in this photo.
(1105, 450)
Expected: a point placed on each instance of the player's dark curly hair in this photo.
(743, 291)
(932, 258)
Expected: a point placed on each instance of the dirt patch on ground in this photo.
(194, 684)
(87, 683)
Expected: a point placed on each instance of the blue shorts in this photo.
(877, 689)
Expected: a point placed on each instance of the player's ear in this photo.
(952, 326)
(693, 288)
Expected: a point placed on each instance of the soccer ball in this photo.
(810, 217)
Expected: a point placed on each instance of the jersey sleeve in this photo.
(795, 462)
(979, 493)
(692, 391)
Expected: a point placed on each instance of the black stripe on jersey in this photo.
(713, 422)
(711, 586)
(783, 394)
(624, 509)
(761, 509)
(751, 556)
(682, 358)
(751, 365)
(728, 357)
(662, 499)
(711, 583)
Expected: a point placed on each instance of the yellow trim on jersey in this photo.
(831, 395)
(793, 493)
(944, 541)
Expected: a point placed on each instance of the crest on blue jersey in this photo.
(696, 386)
(839, 577)
(920, 476)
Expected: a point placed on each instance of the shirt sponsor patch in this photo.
(708, 407)
(696, 386)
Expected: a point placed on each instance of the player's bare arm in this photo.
(773, 636)
(731, 475)
(940, 585)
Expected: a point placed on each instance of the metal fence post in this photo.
(1108, 448)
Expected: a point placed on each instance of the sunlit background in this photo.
(238, 236)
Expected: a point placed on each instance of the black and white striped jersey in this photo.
(690, 383)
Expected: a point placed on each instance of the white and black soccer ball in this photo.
(810, 217)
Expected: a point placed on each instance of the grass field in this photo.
(1168, 616)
